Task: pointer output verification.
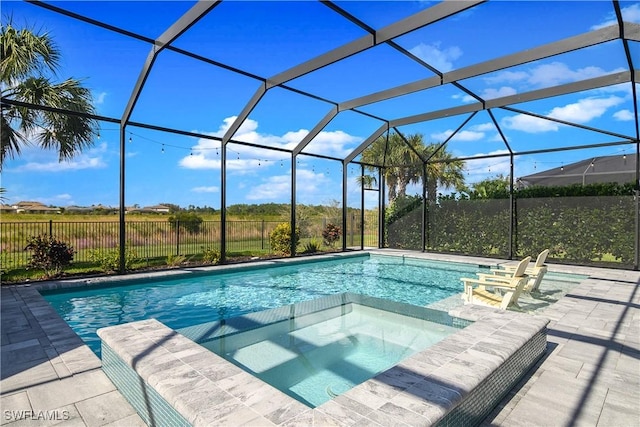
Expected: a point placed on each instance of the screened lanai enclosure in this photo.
(415, 123)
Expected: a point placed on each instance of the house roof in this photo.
(620, 169)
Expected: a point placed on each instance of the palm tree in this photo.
(403, 161)
(27, 58)
(442, 171)
(398, 160)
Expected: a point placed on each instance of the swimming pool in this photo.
(180, 302)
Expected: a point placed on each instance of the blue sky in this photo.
(267, 37)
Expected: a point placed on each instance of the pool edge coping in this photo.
(457, 364)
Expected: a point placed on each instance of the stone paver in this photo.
(49, 377)
(589, 377)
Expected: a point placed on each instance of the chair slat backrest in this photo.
(542, 257)
(522, 266)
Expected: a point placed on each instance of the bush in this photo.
(311, 247)
(109, 261)
(49, 254)
(210, 256)
(280, 239)
(189, 221)
(175, 260)
(331, 234)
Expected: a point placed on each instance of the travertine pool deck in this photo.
(590, 375)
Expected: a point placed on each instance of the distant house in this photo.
(78, 209)
(620, 169)
(34, 207)
(157, 208)
(7, 209)
(150, 209)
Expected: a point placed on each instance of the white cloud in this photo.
(441, 136)
(507, 76)
(582, 111)
(624, 89)
(492, 93)
(543, 75)
(241, 158)
(556, 73)
(440, 59)
(336, 143)
(203, 189)
(99, 98)
(465, 98)
(274, 188)
(489, 93)
(585, 110)
(91, 159)
(468, 135)
(623, 115)
(483, 127)
(529, 124)
(480, 169)
(309, 186)
(629, 14)
(463, 135)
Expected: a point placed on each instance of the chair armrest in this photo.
(500, 284)
(500, 272)
(494, 278)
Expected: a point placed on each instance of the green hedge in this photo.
(585, 230)
(579, 229)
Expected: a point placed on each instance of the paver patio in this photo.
(590, 375)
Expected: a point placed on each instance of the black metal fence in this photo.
(157, 240)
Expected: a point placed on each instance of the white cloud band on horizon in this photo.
(243, 158)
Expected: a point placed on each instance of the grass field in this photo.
(154, 241)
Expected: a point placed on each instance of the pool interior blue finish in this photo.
(193, 299)
(316, 350)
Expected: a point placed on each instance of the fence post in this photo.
(177, 237)
(262, 235)
(352, 226)
(50, 228)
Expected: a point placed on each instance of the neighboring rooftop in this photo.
(619, 169)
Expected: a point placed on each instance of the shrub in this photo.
(311, 247)
(210, 256)
(109, 261)
(49, 254)
(331, 234)
(175, 260)
(281, 240)
(189, 221)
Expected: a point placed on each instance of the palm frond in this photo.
(25, 52)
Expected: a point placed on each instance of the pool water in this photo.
(330, 351)
(197, 298)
